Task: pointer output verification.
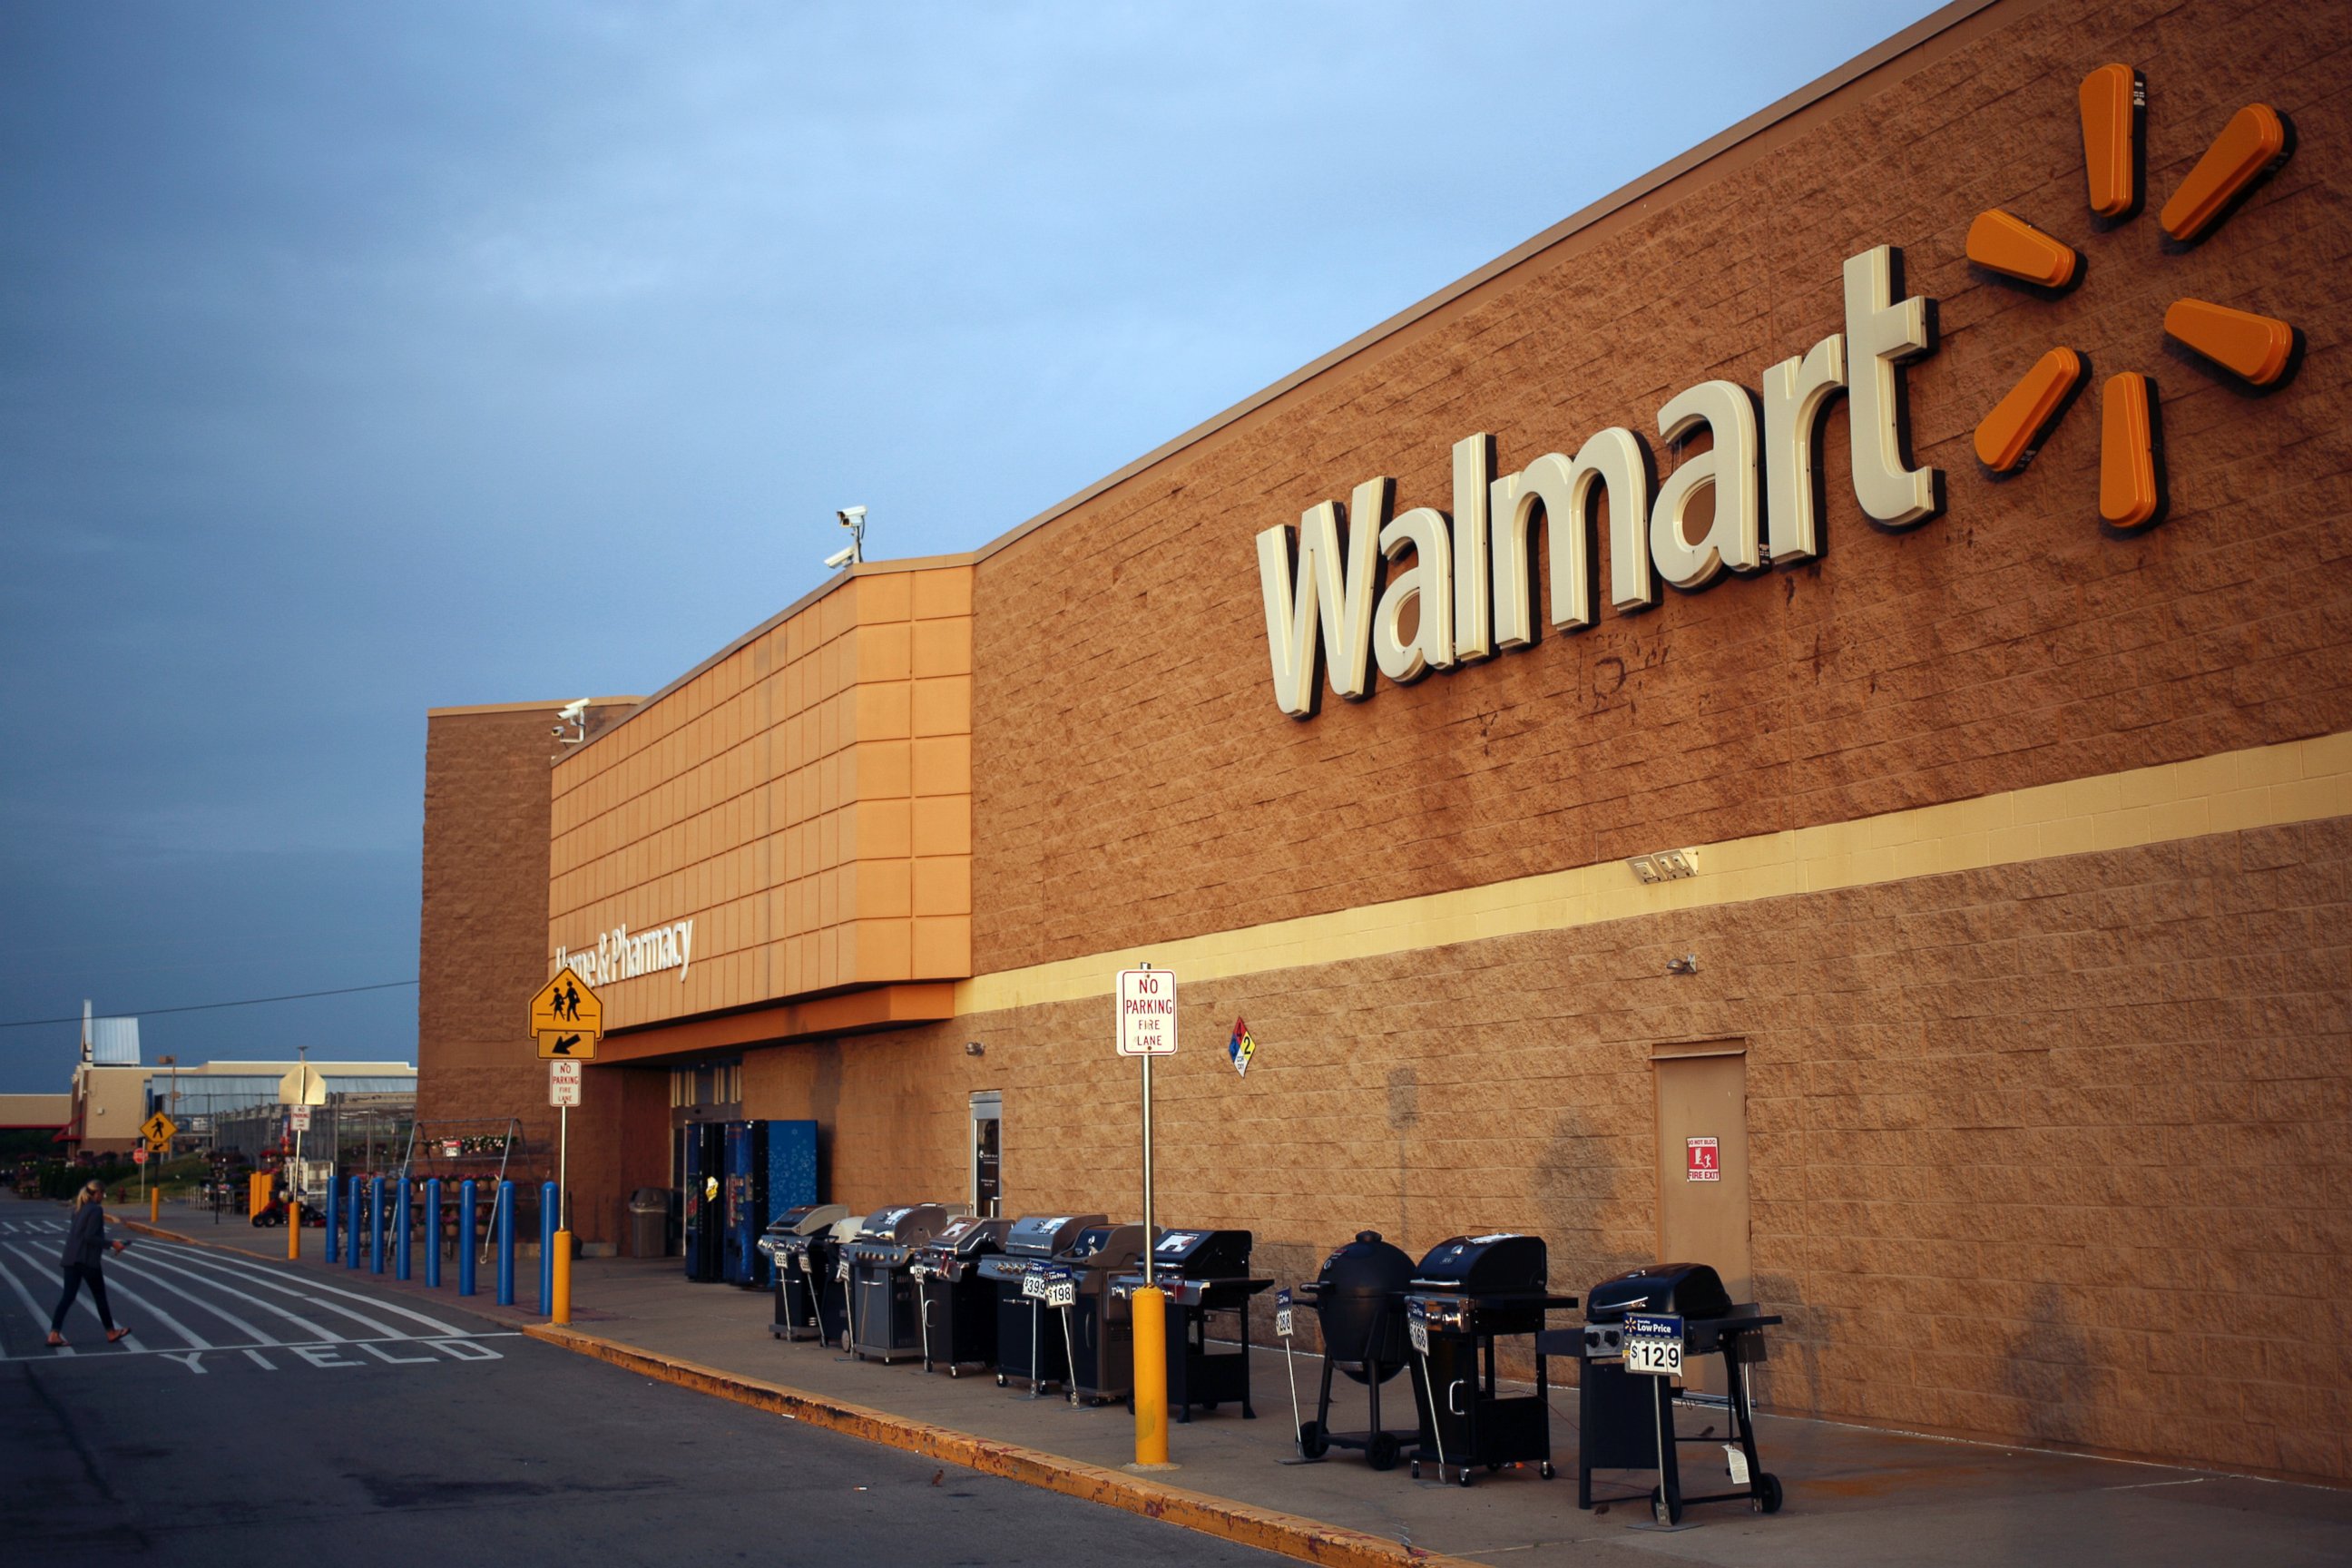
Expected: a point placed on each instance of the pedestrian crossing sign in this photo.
(158, 1129)
(565, 1006)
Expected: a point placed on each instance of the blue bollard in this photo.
(357, 1206)
(330, 1219)
(466, 1236)
(375, 1225)
(405, 1210)
(505, 1221)
(433, 1233)
(547, 1206)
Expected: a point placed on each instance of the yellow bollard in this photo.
(562, 1268)
(293, 1228)
(1150, 1307)
(154, 1204)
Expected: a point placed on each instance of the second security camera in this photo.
(841, 557)
(851, 516)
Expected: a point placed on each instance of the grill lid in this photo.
(1686, 1289)
(1043, 1235)
(805, 1219)
(969, 1236)
(1203, 1254)
(1103, 1246)
(1494, 1264)
(909, 1224)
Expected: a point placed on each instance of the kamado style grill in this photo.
(1204, 1271)
(883, 1324)
(1639, 1329)
(1077, 1280)
(1467, 1293)
(1360, 1299)
(787, 1243)
(954, 1307)
(1023, 1349)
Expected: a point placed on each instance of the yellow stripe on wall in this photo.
(2267, 786)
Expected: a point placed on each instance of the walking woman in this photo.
(86, 1243)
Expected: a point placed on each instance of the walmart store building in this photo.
(1842, 649)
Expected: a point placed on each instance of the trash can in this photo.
(649, 1222)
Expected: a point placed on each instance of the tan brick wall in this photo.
(482, 946)
(804, 798)
(2007, 643)
(2050, 1153)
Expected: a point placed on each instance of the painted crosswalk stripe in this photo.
(32, 1308)
(149, 1258)
(439, 1329)
(117, 1291)
(143, 1272)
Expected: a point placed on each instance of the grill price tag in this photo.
(1653, 1344)
(1033, 1286)
(841, 1270)
(1282, 1324)
(802, 1259)
(1417, 1326)
(1061, 1292)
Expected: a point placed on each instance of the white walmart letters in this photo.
(1471, 582)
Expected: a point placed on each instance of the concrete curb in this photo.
(1268, 1530)
(1287, 1534)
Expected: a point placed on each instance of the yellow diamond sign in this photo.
(158, 1129)
(566, 1018)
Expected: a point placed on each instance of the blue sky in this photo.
(360, 360)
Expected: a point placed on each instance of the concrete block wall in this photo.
(2013, 641)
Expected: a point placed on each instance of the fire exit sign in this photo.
(1705, 1164)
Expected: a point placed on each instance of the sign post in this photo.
(567, 1019)
(1147, 1028)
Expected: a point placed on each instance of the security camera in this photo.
(851, 516)
(842, 557)
(572, 713)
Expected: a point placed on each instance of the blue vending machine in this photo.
(771, 1166)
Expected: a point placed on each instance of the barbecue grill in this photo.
(955, 1308)
(1640, 1330)
(825, 1269)
(1101, 1347)
(1204, 1271)
(883, 1324)
(786, 1243)
(1467, 1293)
(1360, 1299)
(1024, 1348)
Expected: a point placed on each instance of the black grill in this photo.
(1023, 1349)
(1203, 1271)
(1359, 1296)
(790, 1241)
(1101, 1352)
(956, 1307)
(1468, 1293)
(883, 1322)
(1626, 1416)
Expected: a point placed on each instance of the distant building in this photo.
(113, 1093)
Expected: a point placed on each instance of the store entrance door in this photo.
(1703, 1169)
(988, 1153)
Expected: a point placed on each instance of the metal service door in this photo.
(1703, 1170)
(988, 1153)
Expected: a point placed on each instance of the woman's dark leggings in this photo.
(76, 1273)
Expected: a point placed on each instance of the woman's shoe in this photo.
(114, 1335)
(56, 1342)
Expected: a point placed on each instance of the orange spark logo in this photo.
(2257, 349)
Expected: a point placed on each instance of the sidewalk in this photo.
(1854, 1495)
